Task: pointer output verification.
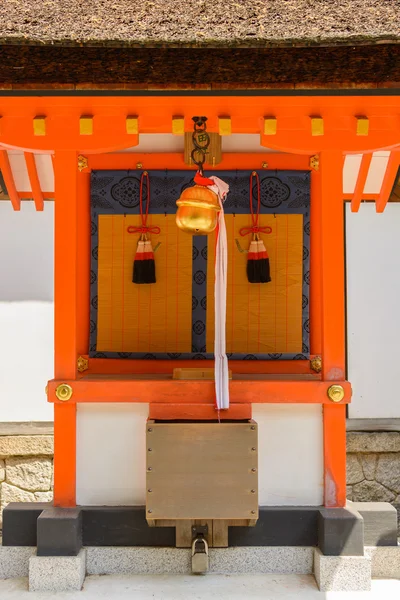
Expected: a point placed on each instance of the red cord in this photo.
(254, 217)
(144, 228)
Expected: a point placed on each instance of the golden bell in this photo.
(198, 209)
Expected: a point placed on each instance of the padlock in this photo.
(199, 557)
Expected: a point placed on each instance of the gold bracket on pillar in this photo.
(214, 152)
(64, 392)
(82, 364)
(314, 162)
(336, 393)
(83, 162)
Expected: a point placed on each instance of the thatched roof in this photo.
(206, 22)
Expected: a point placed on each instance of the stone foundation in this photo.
(373, 468)
(26, 469)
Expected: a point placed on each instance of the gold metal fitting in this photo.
(336, 393)
(314, 162)
(82, 162)
(139, 165)
(264, 165)
(82, 364)
(316, 364)
(64, 392)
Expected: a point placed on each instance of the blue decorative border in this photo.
(117, 192)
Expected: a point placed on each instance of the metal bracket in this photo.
(82, 364)
(316, 364)
(314, 162)
(82, 162)
(199, 530)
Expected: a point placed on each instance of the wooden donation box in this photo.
(201, 471)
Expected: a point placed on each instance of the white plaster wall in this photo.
(373, 310)
(26, 360)
(290, 454)
(26, 312)
(111, 454)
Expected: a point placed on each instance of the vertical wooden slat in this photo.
(360, 184)
(34, 180)
(315, 265)
(333, 323)
(65, 325)
(5, 168)
(388, 181)
(83, 263)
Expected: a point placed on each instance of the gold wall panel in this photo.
(144, 318)
(261, 317)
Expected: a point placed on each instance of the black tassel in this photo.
(144, 269)
(258, 262)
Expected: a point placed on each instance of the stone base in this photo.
(385, 561)
(342, 573)
(57, 573)
(14, 561)
(139, 561)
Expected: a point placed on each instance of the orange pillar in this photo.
(333, 321)
(65, 324)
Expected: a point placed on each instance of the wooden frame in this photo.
(293, 134)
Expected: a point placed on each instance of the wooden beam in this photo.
(293, 135)
(333, 323)
(34, 180)
(389, 180)
(360, 184)
(65, 325)
(116, 366)
(8, 177)
(160, 389)
(175, 160)
(198, 412)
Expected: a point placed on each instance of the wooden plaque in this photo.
(202, 471)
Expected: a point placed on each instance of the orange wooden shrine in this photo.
(312, 133)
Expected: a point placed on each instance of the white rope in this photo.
(221, 273)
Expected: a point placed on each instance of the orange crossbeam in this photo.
(110, 366)
(34, 181)
(388, 181)
(198, 412)
(5, 168)
(162, 389)
(361, 179)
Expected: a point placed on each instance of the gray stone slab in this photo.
(251, 559)
(14, 561)
(57, 573)
(342, 573)
(385, 561)
(340, 532)
(137, 560)
(380, 523)
(262, 559)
